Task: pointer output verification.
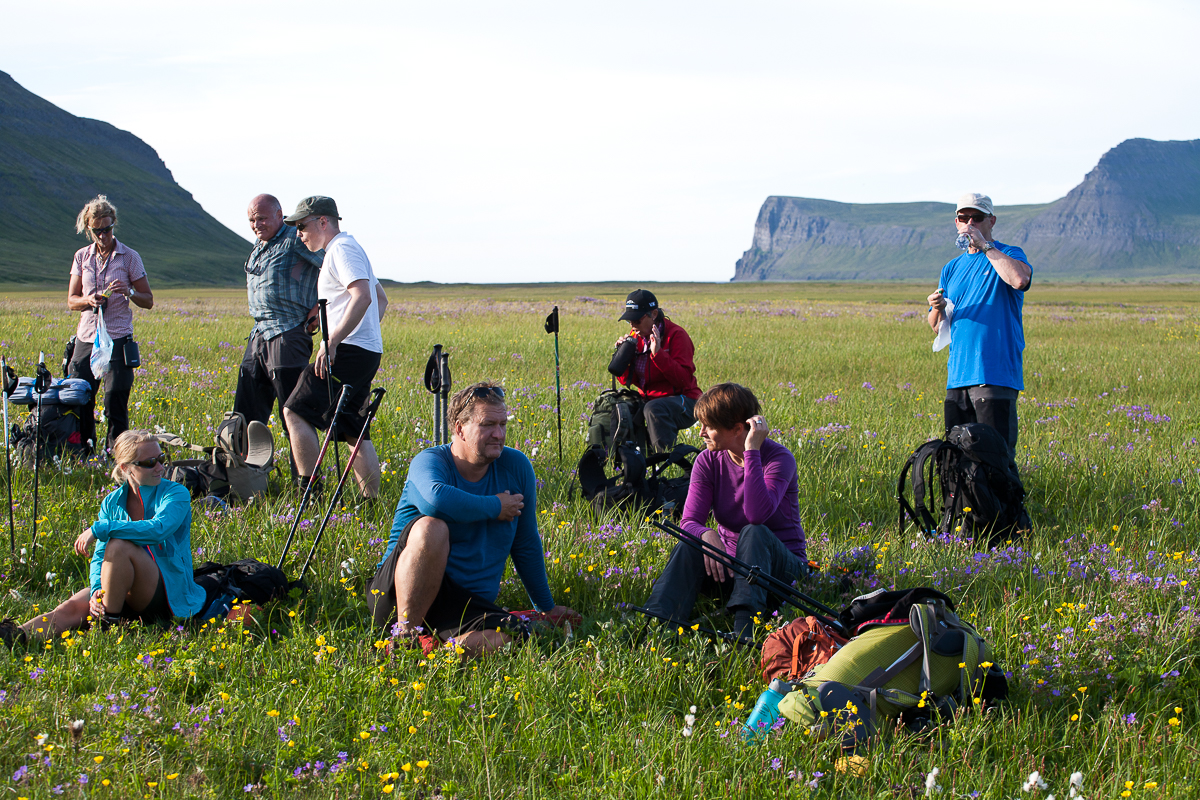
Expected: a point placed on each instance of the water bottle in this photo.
(765, 712)
(963, 241)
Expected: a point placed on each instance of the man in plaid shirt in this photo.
(281, 285)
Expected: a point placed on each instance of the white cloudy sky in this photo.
(534, 141)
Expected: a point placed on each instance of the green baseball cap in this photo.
(315, 206)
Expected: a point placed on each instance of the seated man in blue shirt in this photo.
(466, 507)
(986, 284)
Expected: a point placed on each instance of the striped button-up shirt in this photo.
(97, 273)
(281, 282)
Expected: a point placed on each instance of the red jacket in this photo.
(671, 370)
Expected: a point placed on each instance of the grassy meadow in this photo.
(1095, 616)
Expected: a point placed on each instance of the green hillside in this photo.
(52, 163)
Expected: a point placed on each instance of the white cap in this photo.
(977, 201)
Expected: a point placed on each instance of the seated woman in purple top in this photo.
(748, 484)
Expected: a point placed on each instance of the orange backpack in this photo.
(798, 647)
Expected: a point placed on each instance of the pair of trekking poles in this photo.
(344, 474)
(40, 386)
(755, 576)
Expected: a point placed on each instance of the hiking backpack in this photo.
(59, 433)
(245, 581)
(238, 466)
(981, 490)
(917, 668)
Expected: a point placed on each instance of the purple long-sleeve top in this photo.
(763, 491)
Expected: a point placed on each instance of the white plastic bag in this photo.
(102, 348)
(943, 334)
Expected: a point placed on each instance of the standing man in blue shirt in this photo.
(987, 285)
(466, 508)
(281, 286)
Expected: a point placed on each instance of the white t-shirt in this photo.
(346, 262)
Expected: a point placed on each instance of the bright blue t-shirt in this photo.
(986, 336)
(480, 544)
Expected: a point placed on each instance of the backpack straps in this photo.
(918, 512)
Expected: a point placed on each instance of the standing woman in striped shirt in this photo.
(105, 275)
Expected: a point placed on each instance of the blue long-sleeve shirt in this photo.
(480, 544)
(166, 530)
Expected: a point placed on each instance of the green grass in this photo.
(1102, 596)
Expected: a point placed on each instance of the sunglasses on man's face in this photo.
(102, 231)
(303, 226)
(976, 218)
(150, 463)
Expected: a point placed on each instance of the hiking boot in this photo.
(12, 634)
(318, 486)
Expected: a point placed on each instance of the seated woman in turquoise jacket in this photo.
(142, 562)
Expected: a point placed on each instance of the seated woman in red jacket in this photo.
(661, 369)
(748, 483)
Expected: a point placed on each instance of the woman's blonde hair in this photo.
(125, 450)
(97, 208)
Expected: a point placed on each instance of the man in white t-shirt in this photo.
(355, 306)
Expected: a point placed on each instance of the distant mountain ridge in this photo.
(52, 163)
(1136, 215)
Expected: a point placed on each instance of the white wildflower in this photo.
(1076, 785)
(1034, 780)
(931, 784)
(689, 721)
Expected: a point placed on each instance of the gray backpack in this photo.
(236, 468)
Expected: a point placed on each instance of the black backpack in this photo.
(640, 481)
(58, 435)
(980, 487)
(247, 581)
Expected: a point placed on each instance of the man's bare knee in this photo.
(429, 533)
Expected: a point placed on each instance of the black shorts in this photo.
(156, 611)
(311, 400)
(455, 610)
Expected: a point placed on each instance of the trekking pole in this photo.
(724, 636)
(337, 459)
(312, 479)
(437, 381)
(376, 399)
(41, 383)
(9, 378)
(552, 327)
(754, 575)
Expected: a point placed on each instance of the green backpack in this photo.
(917, 672)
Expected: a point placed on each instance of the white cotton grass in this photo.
(931, 784)
(1033, 781)
(689, 721)
(1076, 786)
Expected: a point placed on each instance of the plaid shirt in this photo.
(281, 282)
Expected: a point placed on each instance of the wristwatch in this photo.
(131, 293)
(987, 246)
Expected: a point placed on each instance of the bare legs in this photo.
(419, 571)
(306, 447)
(127, 576)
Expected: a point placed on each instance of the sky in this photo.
(546, 141)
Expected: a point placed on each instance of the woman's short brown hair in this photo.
(125, 450)
(726, 406)
(97, 208)
(463, 403)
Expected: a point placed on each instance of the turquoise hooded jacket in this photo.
(166, 530)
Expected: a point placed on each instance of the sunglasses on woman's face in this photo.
(102, 231)
(150, 463)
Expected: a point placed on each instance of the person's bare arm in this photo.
(381, 299)
(76, 299)
(360, 301)
(141, 295)
(937, 310)
(1014, 272)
